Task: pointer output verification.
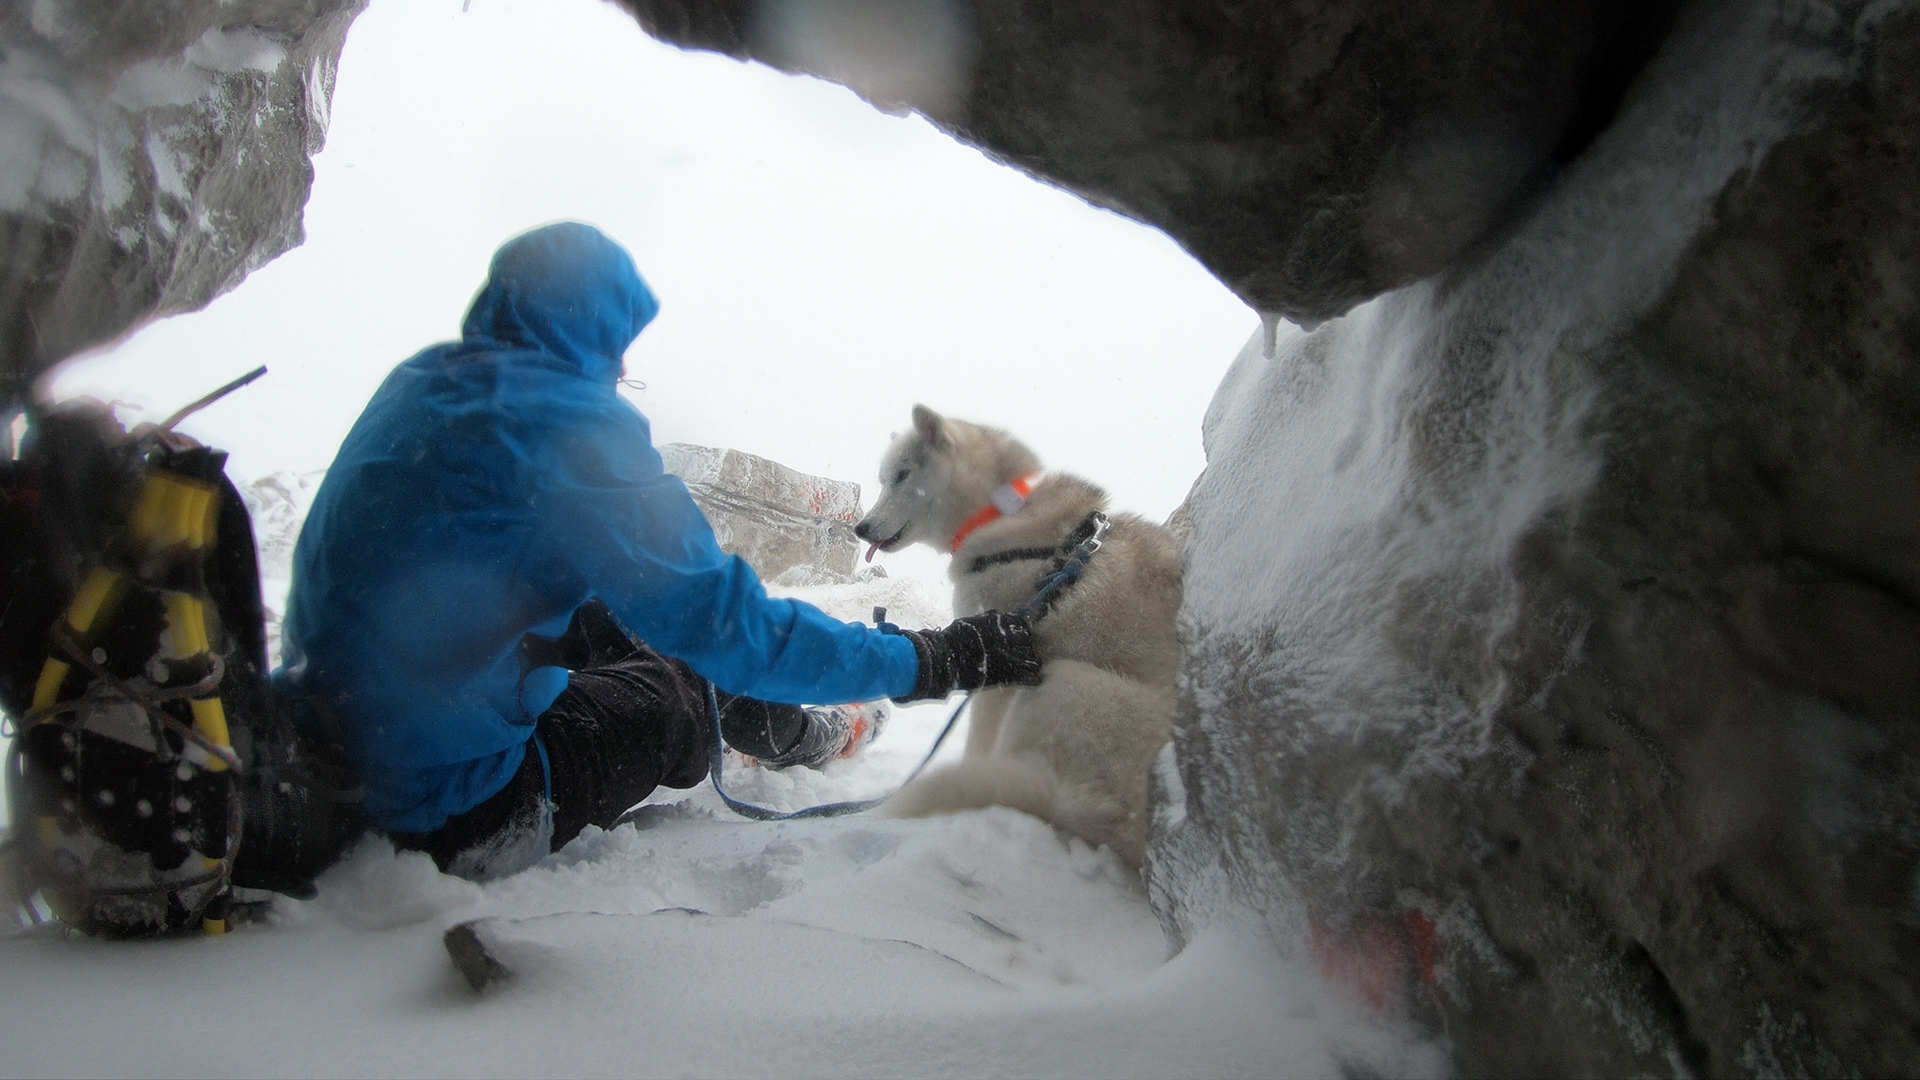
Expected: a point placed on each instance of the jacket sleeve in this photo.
(633, 533)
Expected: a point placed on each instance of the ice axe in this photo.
(201, 403)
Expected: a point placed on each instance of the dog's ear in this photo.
(929, 424)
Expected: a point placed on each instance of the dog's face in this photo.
(916, 475)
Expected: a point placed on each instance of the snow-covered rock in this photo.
(278, 504)
(1553, 627)
(774, 517)
(151, 156)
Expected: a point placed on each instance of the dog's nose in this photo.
(864, 531)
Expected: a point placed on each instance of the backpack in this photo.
(153, 771)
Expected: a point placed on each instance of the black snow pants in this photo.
(630, 720)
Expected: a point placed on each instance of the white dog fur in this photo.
(1076, 749)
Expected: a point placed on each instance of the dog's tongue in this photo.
(871, 548)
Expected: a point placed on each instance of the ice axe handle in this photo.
(202, 403)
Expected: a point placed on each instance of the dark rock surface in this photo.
(1553, 627)
(154, 154)
(1311, 154)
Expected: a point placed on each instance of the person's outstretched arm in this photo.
(633, 533)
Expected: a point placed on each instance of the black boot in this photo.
(783, 736)
(299, 805)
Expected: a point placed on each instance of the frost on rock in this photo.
(1553, 628)
(154, 155)
(774, 517)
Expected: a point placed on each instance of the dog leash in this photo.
(1062, 578)
(1070, 571)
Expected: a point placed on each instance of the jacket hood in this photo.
(566, 290)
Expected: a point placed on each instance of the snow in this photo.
(233, 50)
(690, 944)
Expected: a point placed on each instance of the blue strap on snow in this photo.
(716, 762)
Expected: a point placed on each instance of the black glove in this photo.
(994, 648)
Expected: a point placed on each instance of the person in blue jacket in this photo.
(508, 613)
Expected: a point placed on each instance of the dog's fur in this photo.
(1076, 749)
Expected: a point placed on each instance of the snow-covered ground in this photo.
(690, 941)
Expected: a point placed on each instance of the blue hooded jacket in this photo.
(492, 485)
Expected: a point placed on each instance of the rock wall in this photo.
(1553, 632)
(772, 516)
(1553, 619)
(155, 153)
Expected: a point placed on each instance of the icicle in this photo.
(1269, 333)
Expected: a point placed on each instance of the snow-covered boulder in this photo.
(151, 156)
(774, 517)
(1553, 627)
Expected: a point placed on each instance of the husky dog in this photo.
(1076, 749)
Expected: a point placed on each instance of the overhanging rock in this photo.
(1311, 153)
(774, 517)
(152, 154)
